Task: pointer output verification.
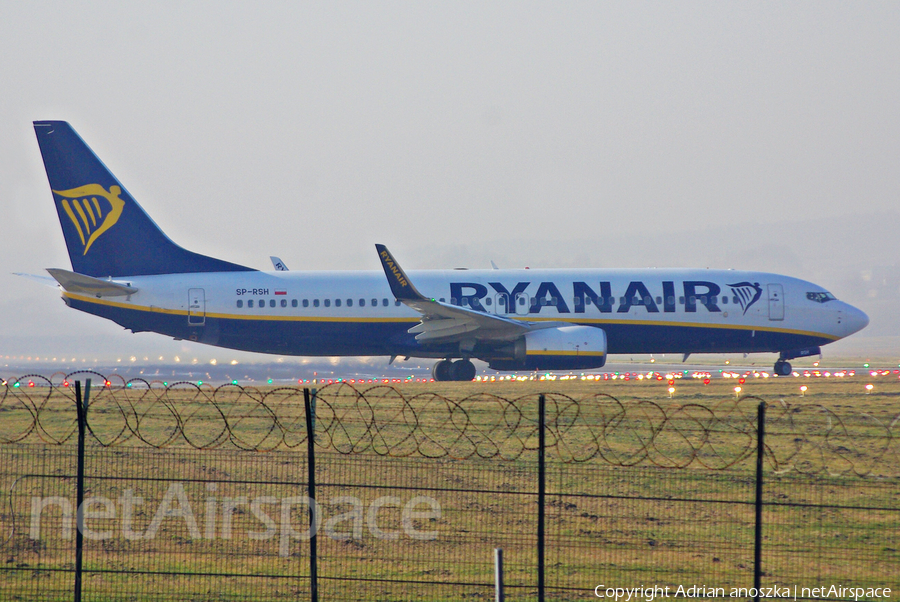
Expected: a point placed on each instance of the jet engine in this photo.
(563, 348)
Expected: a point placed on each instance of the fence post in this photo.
(498, 575)
(313, 404)
(542, 441)
(757, 540)
(311, 469)
(81, 415)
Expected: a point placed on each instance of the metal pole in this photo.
(498, 574)
(311, 467)
(757, 542)
(81, 415)
(542, 441)
(313, 403)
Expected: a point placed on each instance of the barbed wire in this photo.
(382, 420)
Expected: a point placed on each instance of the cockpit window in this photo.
(820, 297)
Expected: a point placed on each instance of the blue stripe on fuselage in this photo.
(323, 337)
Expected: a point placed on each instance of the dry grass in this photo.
(606, 523)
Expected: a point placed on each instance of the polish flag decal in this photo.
(280, 292)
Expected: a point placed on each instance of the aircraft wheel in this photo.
(463, 370)
(442, 371)
(783, 368)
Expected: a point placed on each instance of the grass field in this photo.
(642, 488)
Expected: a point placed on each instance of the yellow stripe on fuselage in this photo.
(571, 353)
(184, 312)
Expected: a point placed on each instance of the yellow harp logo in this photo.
(92, 210)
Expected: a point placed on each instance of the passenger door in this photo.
(776, 302)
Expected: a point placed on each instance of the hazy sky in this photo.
(748, 135)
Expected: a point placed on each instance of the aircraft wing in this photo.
(79, 283)
(443, 322)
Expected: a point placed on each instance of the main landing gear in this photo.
(783, 368)
(460, 370)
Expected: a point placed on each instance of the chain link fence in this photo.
(199, 493)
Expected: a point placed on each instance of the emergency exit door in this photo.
(196, 307)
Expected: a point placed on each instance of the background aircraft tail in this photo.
(107, 233)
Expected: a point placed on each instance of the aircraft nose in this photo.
(853, 319)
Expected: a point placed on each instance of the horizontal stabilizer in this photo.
(45, 280)
(79, 283)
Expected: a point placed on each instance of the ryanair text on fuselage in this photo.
(606, 300)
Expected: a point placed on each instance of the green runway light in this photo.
(866, 365)
(165, 384)
(199, 383)
(270, 381)
(234, 382)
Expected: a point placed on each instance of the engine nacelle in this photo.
(564, 348)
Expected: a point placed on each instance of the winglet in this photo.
(402, 288)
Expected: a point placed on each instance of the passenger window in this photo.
(659, 300)
(734, 299)
(327, 302)
(487, 301)
(713, 299)
(293, 303)
(465, 302)
(337, 302)
(521, 300)
(724, 300)
(648, 301)
(271, 302)
(315, 303)
(384, 302)
(693, 300)
(349, 302)
(671, 299)
(612, 301)
(577, 302)
(587, 300)
(397, 302)
(621, 300)
(250, 303)
(442, 299)
(681, 300)
(362, 302)
(452, 300)
(284, 303)
(240, 303)
(262, 302)
(374, 302)
(306, 303)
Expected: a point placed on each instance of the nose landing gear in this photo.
(460, 370)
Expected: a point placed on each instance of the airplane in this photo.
(125, 269)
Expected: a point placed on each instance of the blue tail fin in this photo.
(107, 233)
